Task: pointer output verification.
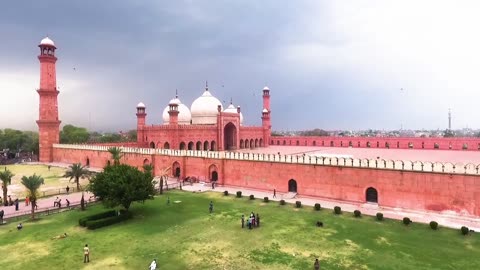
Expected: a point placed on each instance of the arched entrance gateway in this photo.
(292, 185)
(214, 176)
(230, 137)
(371, 195)
(176, 169)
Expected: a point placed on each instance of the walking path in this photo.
(452, 220)
(45, 204)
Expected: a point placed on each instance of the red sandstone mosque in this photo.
(210, 142)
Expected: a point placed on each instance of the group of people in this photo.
(58, 202)
(252, 221)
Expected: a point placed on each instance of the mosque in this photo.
(211, 143)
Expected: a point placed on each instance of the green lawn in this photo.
(184, 236)
(54, 179)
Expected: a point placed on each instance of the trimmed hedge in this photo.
(265, 199)
(110, 213)
(464, 230)
(379, 216)
(406, 221)
(282, 202)
(317, 207)
(357, 213)
(239, 194)
(225, 193)
(252, 197)
(298, 204)
(337, 210)
(99, 223)
(433, 225)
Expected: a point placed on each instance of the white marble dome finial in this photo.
(47, 41)
(140, 105)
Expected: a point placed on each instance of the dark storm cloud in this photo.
(113, 54)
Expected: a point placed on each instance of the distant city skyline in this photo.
(350, 65)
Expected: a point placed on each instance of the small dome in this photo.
(184, 115)
(205, 109)
(266, 88)
(140, 105)
(264, 111)
(231, 109)
(47, 41)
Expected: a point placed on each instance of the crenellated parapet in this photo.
(375, 164)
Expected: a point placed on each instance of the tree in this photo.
(6, 177)
(77, 171)
(116, 154)
(163, 177)
(121, 185)
(73, 134)
(32, 184)
(315, 132)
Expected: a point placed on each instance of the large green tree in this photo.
(6, 177)
(32, 184)
(18, 141)
(121, 185)
(76, 172)
(72, 134)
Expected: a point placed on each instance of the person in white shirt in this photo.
(153, 265)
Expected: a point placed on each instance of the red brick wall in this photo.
(403, 189)
(393, 142)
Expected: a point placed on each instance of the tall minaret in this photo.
(48, 123)
(266, 124)
(141, 115)
(449, 119)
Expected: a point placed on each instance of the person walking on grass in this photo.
(210, 208)
(316, 265)
(153, 265)
(243, 221)
(86, 254)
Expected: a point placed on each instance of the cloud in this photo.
(330, 64)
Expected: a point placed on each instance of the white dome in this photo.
(266, 88)
(265, 111)
(140, 105)
(47, 41)
(231, 109)
(184, 115)
(205, 109)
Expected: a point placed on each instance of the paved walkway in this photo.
(44, 204)
(452, 220)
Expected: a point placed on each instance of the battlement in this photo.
(337, 161)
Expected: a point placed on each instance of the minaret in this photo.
(141, 116)
(48, 123)
(266, 124)
(173, 113)
(449, 119)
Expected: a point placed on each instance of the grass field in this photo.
(53, 178)
(184, 236)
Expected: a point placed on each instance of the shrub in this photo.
(265, 199)
(252, 197)
(464, 230)
(337, 210)
(239, 194)
(379, 216)
(298, 204)
(357, 213)
(110, 213)
(95, 224)
(433, 225)
(225, 193)
(317, 207)
(406, 221)
(282, 202)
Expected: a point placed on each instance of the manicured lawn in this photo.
(184, 236)
(53, 178)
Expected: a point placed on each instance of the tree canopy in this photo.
(121, 185)
(18, 141)
(71, 134)
(32, 184)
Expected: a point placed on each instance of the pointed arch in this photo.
(198, 146)
(252, 143)
(205, 146)
(260, 143)
(176, 171)
(152, 145)
(242, 144)
(182, 146)
(190, 146)
(166, 145)
(213, 146)
(371, 195)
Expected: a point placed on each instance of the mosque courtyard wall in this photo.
(396, 186)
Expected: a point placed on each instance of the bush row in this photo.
(99, 223)
(338, 210)
(110, 213)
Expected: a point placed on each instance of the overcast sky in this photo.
(329, 64)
